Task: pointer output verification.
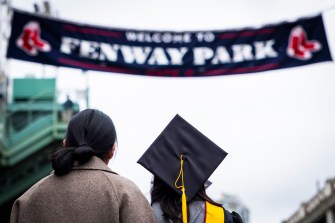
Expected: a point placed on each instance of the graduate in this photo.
(181, 160)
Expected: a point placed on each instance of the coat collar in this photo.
(94, 163)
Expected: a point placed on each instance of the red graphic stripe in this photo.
(247, 33)
(92, 31)
(90, 66)
(241, 70)
(215, 72)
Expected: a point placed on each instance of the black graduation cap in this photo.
(180, 140)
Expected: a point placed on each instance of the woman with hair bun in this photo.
(82, 188)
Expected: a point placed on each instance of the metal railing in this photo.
(19, 144)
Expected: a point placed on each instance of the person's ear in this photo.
(64, 143)
(111, 152)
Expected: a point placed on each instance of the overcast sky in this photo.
(278, 126)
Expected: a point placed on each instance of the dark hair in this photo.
(89, 133)
(170, 201)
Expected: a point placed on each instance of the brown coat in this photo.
(90, 193)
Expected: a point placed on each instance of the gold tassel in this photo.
(182, 188)
(184, 206)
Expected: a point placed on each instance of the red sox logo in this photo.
(30, 40)
(299, 46)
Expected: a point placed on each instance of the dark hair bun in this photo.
(83, 153)
(61, 161)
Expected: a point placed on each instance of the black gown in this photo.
(196, 214)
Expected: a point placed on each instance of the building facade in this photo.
(319, 209)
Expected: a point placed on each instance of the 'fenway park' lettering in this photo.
(166, 53)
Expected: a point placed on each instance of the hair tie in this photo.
(86, 148)
(83, 153)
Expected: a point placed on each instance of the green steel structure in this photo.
(33, 128)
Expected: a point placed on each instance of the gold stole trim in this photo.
(214, 214)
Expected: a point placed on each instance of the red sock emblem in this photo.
(30, 39)
(299, 46)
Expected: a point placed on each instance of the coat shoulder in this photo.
(26, 195)
(122, 185)
(119, 180)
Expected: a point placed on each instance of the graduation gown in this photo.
(197, 214)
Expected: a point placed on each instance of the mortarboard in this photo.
(181, 155)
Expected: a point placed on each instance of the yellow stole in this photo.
(214, 214)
